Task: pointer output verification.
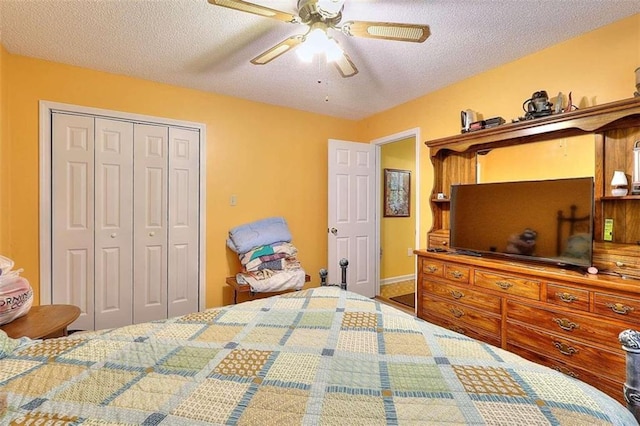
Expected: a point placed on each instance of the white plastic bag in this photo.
(5, 265)
(16, 294)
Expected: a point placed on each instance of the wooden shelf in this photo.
(615, 128)
(589, 120)
(626, 197)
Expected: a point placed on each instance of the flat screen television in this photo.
(548, 221)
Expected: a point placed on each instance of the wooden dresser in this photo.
(559, 318)
(556, 317)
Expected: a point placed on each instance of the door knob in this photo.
(334, 231)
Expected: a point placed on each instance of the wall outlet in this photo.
(409, 251)
(233, 200)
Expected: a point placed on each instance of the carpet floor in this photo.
(405, 299)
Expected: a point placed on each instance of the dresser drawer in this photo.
(457, 273)
(460, 314)
(439, 239)
(464, 295)
(567, 324)
(432, 267)
(618, 307)
(611, 387)
(574, 353)
(464, 329)
(568, 297)
(508, 284)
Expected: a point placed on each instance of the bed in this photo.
(318, 356)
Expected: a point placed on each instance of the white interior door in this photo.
(184, 192)
(72, 209)
(150, 222)
(352, 214)
(113, 223)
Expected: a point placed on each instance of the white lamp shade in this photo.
(619, 179)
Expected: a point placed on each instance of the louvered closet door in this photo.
(184, 193)
(113, 223)
(72, 215)
(150, 184)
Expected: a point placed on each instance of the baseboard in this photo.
(398, 279)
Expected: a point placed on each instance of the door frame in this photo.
(46, 108)
(415, 133)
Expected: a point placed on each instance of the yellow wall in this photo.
(398, 233)
(244, 137)
(597, 68)
(3, 126)
(273, 159)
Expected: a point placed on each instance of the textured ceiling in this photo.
(193, 44)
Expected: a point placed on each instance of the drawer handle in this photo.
(456, 294)
(505, 285)
(564, 349)
(566, 371)
(456, 312)
(432, 268)
(619, 308)
(566, 297)
(457, 274)
(565, 324)
(459, 330)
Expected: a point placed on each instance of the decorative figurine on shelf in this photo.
(637, 92)
(537, 106)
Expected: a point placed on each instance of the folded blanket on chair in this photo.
(259, 233)
(271, 256)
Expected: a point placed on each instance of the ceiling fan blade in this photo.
(245, 6)
(345, 66)
(277, 50)
(387, 31)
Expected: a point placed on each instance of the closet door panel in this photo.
(150, 185)
(113, 223)
(73, 215)
(184, 194)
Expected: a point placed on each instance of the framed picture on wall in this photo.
(397, 193)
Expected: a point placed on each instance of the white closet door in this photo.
(184, 234)
(73, 215)
(113, 223)
(150, 159)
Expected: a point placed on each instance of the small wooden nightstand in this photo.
(43, 322)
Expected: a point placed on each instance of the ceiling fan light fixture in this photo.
(333, 52)
(317, 42)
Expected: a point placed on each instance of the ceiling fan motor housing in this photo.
(309, 12)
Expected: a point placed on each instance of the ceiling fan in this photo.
(320, 16)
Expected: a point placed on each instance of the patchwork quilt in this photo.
(318, 356)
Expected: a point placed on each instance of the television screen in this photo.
(547, 220)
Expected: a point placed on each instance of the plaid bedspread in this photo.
(319, 356)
